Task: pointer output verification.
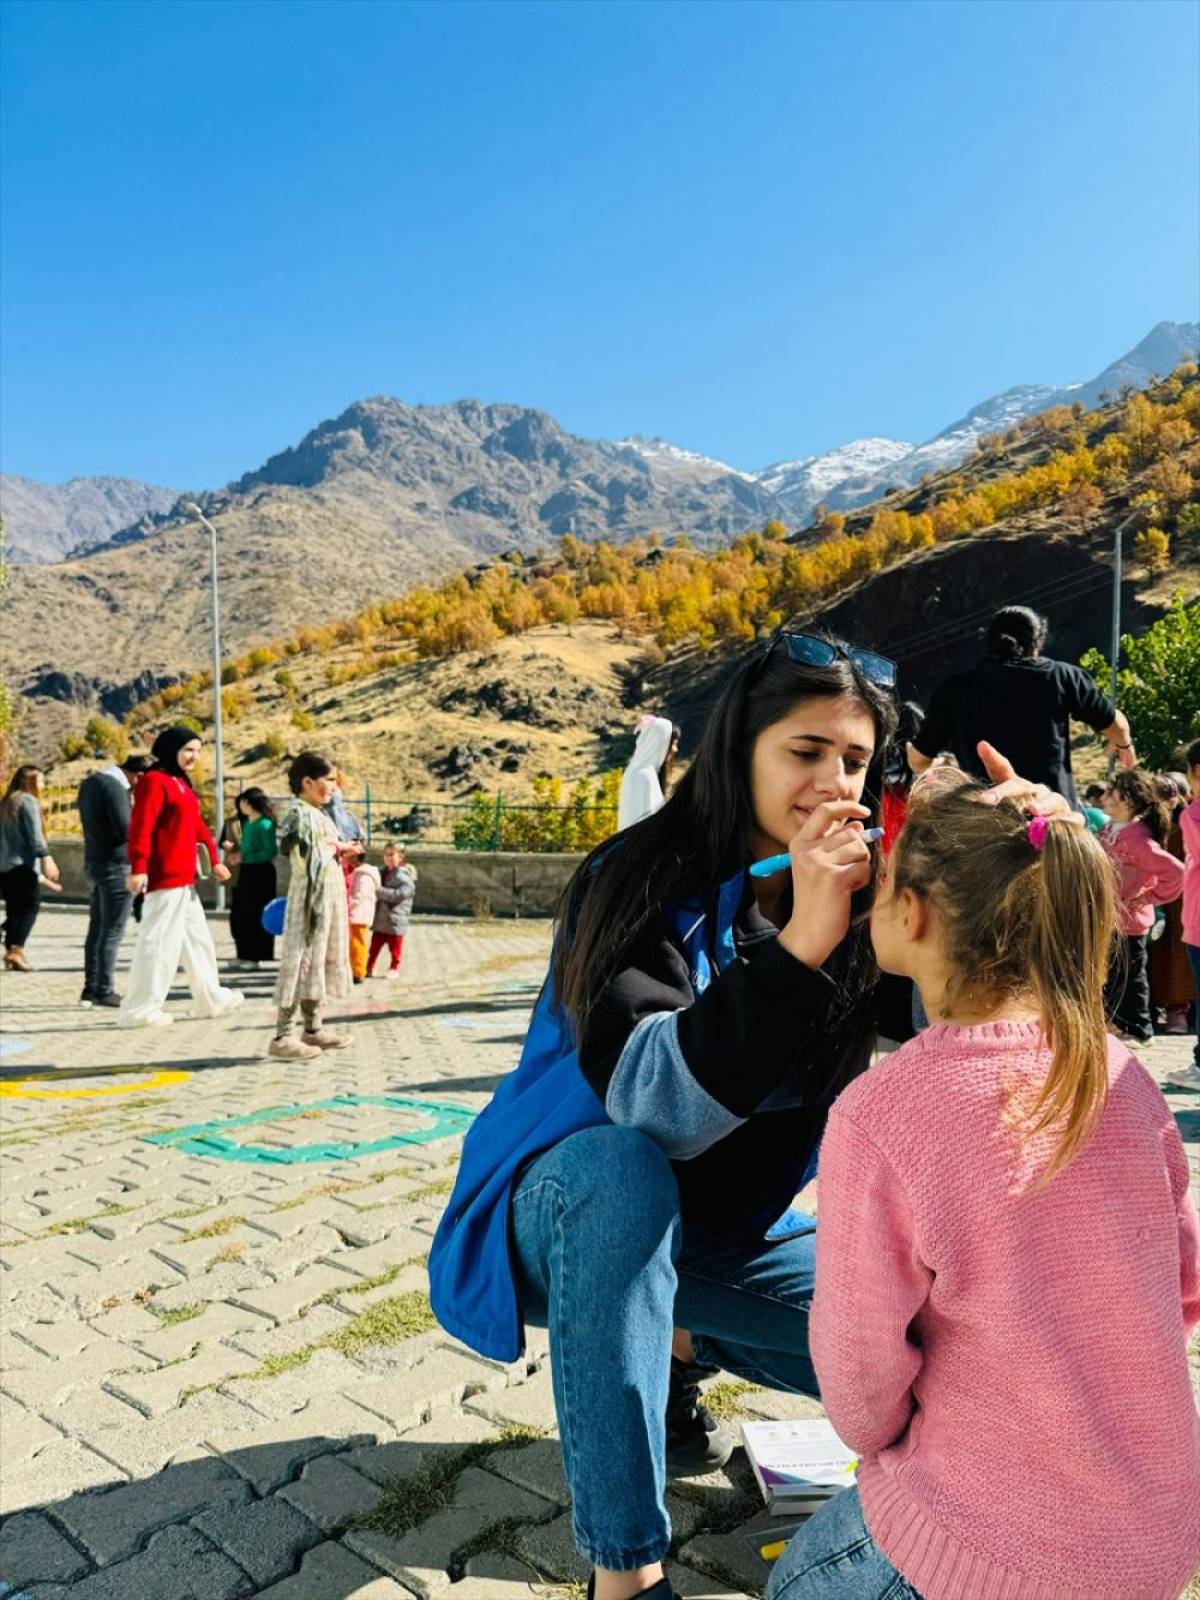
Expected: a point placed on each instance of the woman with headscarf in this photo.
(166, 830)
(643, 782)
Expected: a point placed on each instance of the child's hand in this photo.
(830, 860)
(221, 872)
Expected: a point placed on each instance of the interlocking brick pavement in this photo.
(216, 1358)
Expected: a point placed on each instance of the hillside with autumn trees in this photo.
(560, 649)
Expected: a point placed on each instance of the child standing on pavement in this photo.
(1008, 1258)
(364, 891)
(314, 961)
(1189, 827)
(394, 907)
(1148, 875)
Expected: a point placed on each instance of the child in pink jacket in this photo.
(1008, 1258)
(364, 894)
(1189, 826)
(1147, 876)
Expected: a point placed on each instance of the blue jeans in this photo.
(603, 1261)
(833, 1557)
(108, 913)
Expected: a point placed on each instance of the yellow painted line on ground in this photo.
(24, 1088)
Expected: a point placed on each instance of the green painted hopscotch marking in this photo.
(208, 1138)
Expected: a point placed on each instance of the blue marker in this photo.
(773, 864)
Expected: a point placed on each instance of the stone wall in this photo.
(462, 882)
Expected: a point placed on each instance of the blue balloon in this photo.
(273, 914)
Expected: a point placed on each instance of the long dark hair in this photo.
(1014, 633)
(1137, 790)
(897, 772)
(259, 800)
(24, 781)
(697, 839)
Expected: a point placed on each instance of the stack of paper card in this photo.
(799, 1465)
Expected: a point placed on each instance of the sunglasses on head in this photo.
(808, 650)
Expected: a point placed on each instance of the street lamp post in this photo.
(191, 507)
(1116, 598)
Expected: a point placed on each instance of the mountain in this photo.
(804, 484)
(47, 521)
(385, 496)
(1163, 348)
(484, 477)
(365, 506)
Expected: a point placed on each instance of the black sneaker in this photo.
(696, 1442)
(87, 998)
(662, 1590)
(111, 1000)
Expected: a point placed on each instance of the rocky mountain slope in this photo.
(490, 681)
(49, 521)
(387, 495)
(1159, 352)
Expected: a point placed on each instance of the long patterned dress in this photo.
(314, 958)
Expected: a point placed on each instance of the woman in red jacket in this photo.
(165, 829)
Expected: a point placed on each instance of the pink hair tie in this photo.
(1037, 830)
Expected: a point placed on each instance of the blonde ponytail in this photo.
(1025, 912)
(1070, 939)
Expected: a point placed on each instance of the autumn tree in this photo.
(1152, 548)
(1081, 504)
(1158, 687)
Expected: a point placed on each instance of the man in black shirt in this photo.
(1021, 702)
(104, 803)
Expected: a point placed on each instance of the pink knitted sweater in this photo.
(1010, 1363)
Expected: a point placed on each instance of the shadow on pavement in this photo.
(228, 1526)
(453, 1084)
(22, 1067)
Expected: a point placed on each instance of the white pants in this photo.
(173, 929)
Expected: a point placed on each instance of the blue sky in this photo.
(758, 230)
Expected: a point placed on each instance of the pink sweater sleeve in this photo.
(1163, 873)
(1189, 1230)
(871, 1282)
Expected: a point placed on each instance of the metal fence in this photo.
(484, 822)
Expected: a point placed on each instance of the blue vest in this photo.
(472, 1279)
(471, 1275)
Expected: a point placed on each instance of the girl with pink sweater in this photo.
(1148, 875)
(1189, 827)
(1008, 1259)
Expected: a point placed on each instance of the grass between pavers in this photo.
(230, 1252)
(406, 1502)
(180, 1313)
(81, 1224)
(379, 1281)
(320, 1192)
(387, 1322)
(213, 1230)
(724, 1399)
(339, 1186)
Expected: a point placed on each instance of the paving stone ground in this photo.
(219, 1377)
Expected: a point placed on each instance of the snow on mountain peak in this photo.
(661, 453)
(808, 479)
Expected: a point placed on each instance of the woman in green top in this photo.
(255, 886)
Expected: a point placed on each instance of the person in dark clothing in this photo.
(629, 1186)
(104, 802)
(1021, 702)
(23, 849)
(254, 856)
